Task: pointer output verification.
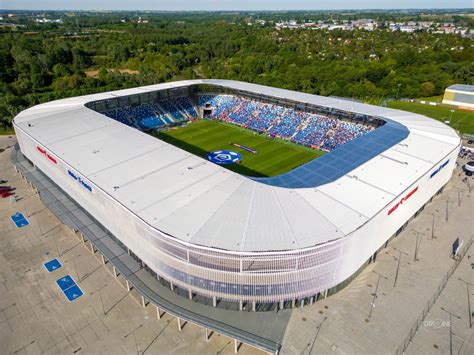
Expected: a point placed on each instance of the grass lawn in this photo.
(273, 156)
(7, 131)
(464, 118)
(438, 98)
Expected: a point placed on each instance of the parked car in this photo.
(6, 188)
(3, 181)
(5, 194)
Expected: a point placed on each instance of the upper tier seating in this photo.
(305, 128)
(301, 127)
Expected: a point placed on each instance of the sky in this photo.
(191, 5)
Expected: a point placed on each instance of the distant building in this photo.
(47, 20)
(371, 25)
(459, 95)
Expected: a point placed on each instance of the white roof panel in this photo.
(345, 218)
(360, 196)
(375, 173)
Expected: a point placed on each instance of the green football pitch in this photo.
(462, 120)
(274, 156)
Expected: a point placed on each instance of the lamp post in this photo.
(450, 329)
(417, 244)
(398, 89)
(317, 333)
(468, 301)
(398, 265)
(134, 337)
(100, 296)
(372, 304)
(432, 225)
(459, 195)
(447, 209)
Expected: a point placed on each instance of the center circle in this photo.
(224, 157)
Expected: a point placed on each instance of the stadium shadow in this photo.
(238, 168)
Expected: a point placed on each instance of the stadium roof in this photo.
(191, 199)
(462, 87)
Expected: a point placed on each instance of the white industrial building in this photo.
(459, 95)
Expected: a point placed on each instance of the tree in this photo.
(427, 89)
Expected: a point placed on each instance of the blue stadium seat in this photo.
(171, 109)
(187, 106)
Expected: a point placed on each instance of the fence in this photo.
(401, 349)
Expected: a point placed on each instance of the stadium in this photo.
(241, 192)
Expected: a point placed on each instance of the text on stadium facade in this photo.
(408, 195)
(439, 168)
(46, 154)
(79, 180)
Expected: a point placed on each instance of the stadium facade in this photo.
(222, 235)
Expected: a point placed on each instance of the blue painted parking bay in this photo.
(70, 289)
(65, 282)
(52, 265)
(19, 220)
(72, 293)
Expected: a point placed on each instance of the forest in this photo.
(91, 53)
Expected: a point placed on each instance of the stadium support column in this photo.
(236, 346)
(241, 305)
(254, 306)
(214, 301)
(158, 315)
(114, 269)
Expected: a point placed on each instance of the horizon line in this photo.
(248, 10)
